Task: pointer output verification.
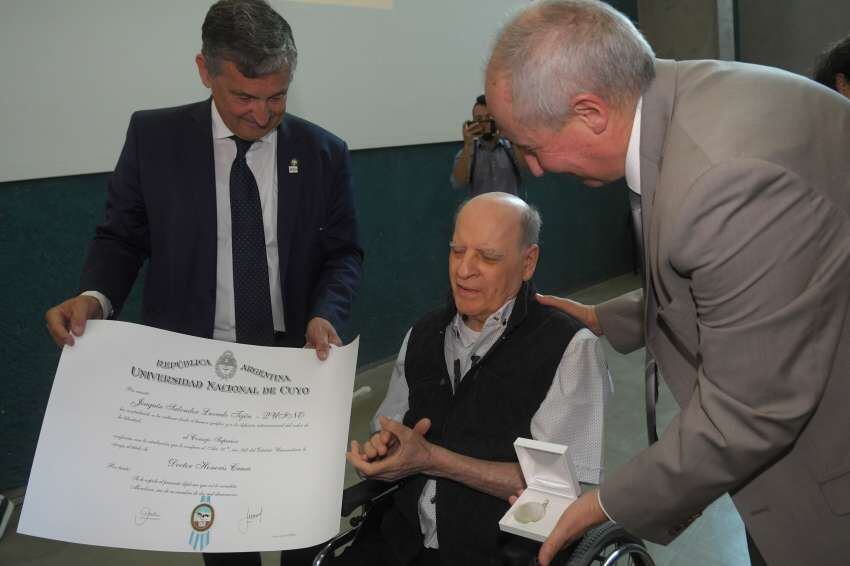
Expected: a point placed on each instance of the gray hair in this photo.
(529, 225)
(555, 49)
(251, 35)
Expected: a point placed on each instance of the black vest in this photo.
(493, 405)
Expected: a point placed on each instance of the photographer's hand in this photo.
(471, 130)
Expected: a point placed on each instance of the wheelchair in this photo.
(608, 544)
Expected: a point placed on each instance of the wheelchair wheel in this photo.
(607, 545)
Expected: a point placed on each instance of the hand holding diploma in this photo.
(67, 320)
(320, 335)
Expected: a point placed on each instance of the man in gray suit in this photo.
(743, 174)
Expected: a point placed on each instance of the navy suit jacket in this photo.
(161, 208)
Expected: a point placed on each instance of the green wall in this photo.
(405, 205)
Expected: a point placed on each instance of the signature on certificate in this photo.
(144, 515)
(251, 518)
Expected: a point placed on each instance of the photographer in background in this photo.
(487, 163)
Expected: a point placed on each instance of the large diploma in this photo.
(161, 441)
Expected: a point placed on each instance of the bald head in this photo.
(493, 250)
(517, 215)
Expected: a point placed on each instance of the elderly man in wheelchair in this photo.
(470, 378)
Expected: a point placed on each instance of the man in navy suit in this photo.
(244, 214)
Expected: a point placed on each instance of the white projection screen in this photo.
(378, 73)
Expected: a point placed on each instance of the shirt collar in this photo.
(633, 152)
(220, 130)
(467, 336)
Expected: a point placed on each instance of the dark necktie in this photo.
(650, 368)
(251, 293)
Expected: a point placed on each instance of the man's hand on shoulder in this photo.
(320, 335)
(68, 319)
(584, 313)
(394, 452)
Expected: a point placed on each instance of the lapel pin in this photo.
(293, 166)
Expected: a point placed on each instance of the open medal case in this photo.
(552, 486)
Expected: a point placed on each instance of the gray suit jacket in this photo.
(745, 180)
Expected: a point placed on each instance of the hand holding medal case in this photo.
(552, 487)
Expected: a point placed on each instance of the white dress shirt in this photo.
(572, 412)
(262, 160)
(633, 152)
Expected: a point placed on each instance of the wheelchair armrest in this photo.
(363, 493)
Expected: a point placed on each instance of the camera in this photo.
(485, 127)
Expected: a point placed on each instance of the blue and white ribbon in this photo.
(198, 540)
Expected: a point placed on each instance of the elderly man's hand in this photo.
(393, 453)
(583, 514)
(584, 313)
(379, 446)
(320, 335)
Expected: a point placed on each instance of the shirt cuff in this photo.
(105, 304)
(599, 500)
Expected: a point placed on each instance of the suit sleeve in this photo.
(343, 257)
(621, 319)
(766, 257)
(121, 243)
